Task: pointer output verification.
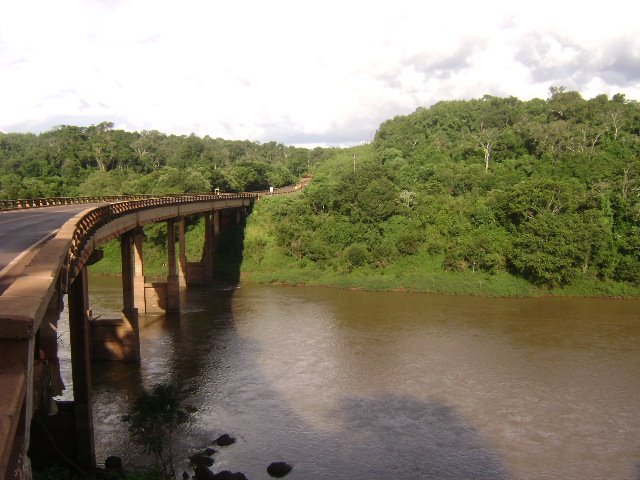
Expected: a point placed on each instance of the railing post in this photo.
(81, 369)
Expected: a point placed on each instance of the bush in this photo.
(356, 255)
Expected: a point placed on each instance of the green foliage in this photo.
(99, 159)
(153, 420)
(488, 195)
(356, 255)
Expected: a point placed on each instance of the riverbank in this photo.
(414, 277)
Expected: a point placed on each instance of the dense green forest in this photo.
(492, 195)
(71, 161)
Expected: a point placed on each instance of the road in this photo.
(22, 230)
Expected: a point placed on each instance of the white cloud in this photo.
(326, 72)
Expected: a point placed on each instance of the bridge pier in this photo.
(173, 280)
(208, 249)
(130, 330)
(81, 369)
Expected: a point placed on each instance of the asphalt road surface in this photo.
(21, 230)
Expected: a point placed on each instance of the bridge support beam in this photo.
(216, 224)
(139, 300)
(182, 253)
(173, 280)
(81, 369)
(208, 249)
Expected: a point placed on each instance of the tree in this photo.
(486, 139)
(153, 420)
(551, 249)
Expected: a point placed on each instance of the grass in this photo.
(413, 274)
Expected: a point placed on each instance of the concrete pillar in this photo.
(173, 282)
(81, 369)
(128, 271)
(182, 254)
(208, 249)
(130, 325)
(216, 223)
(138, 270)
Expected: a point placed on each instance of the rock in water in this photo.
(279, 469)
(203, 473)
(113, 467)
(199, 459)
(224, 440)
(226, 475)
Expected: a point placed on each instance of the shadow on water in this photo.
(398, 437)
(215, 367)
(390, 437)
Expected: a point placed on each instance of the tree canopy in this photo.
(544, 190)
(70, 160)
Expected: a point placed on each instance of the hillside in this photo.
(492, 195)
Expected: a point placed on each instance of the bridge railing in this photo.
(24, 203)
(97, 217)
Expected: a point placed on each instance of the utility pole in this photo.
(354, 162)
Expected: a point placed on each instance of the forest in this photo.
(72, 161)
(490, 195)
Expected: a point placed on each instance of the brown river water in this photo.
(379, 385)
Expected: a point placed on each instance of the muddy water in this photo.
(360, 385)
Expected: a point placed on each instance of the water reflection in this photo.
(379, 385)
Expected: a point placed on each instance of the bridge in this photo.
(46, 246)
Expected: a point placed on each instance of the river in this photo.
(378, 385)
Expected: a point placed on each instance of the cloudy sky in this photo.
(297, 72)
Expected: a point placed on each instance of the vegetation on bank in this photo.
(492, 196)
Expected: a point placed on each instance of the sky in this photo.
(302, 72)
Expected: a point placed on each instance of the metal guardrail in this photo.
(97, 217)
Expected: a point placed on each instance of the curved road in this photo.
(22, 230)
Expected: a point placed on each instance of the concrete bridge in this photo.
(58, 243)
